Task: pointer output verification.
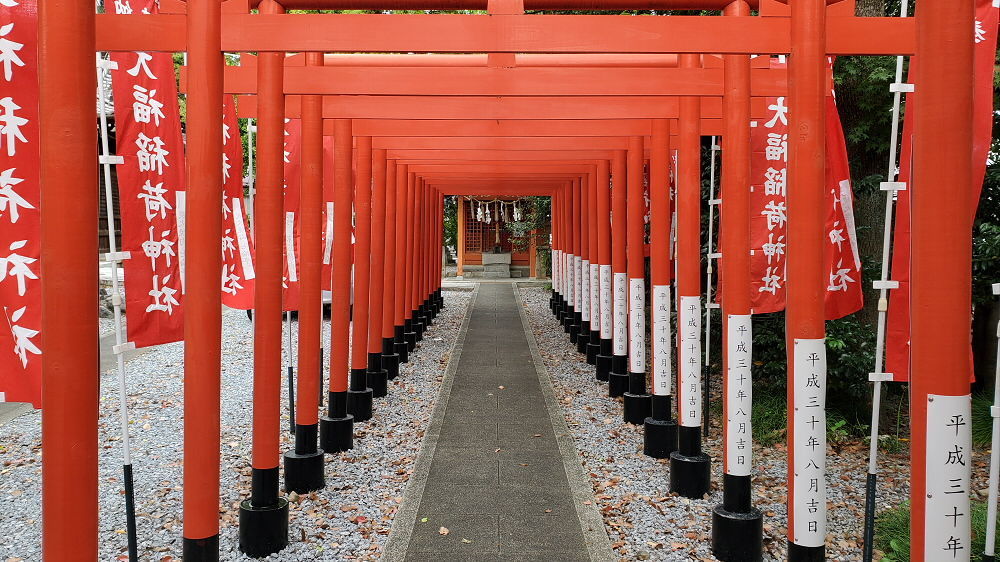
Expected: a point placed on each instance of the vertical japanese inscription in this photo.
(739, 389)
(662, 341)
(606, 312)
(620, 341)
(637, 325)
(151, 185)
(689, 340)
(948, 522)
(20, 240)
(809, 447)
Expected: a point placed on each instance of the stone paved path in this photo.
(497, 480)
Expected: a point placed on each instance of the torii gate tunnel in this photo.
(566, 106)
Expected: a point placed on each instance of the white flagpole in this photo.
(106, 160)
(709, 269)
(891, 186)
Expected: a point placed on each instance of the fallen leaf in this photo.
(466, 541)
(443, 531)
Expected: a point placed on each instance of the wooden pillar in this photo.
(70, 389)
(804, 317)
(940, 285)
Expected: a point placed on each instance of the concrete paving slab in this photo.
(518, 503)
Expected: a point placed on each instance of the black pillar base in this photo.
(411, 341)
(582, 341)
(737, 537)
(617, 384)
(567, 320)
(263, 530)
(336, 434)
(988, 558)
(402, 351)
(419, 326)
(798, 553)
(660, 438)
(637, 408)
(574, 332)
(202, 550)
(593, 345)
(359, 404)
(378, 381)
(304, 473)
(603, 364)
(691, 476)
(391, 363)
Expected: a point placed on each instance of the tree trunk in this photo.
(869, 209)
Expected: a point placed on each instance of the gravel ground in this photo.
(348, 520)
(644, 520)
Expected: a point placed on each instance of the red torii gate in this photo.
(67, 35)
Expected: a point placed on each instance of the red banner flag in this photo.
(151, 185)
(897, 360)
(20, 288)
(768, 169)
(237, 246)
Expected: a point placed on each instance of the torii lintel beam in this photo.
(501, 191)
(428, 33)
(406, 156)
(529, 5)
(502, 143)
(501, 128)
(536, 108)
(458, 128)
(502, 81)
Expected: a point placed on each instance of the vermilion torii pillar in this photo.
(618, 378)
(359, 396)
(574, 265)
(567, 258)
(805, 326)
(304, 464)
(399, 249)
(594, 281)
(737, 528)
(202, 301)
(637, 403)
(409, 330)
(660, 436)
(390, 359)
(583, 334)
(940, 283)
(70, 389)
(337, 427)
(378, 375)
(264, 517)
(690, 469)
(603, 226)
